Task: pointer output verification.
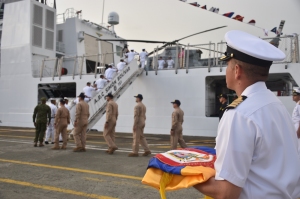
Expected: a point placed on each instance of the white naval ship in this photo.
(53, 55)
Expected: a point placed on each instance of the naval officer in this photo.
(138, 128)
(223, 101)
(256, 146)
(51, 129)
(80, 124)
(62, 119)
(176, 129)
(40, 114)
(296, 114)
(110, 123)
(143, 57)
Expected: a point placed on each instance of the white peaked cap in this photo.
(244, 46)
(296, 90)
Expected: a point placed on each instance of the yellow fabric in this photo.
(189, 177)
(207, 197)
(166, 178)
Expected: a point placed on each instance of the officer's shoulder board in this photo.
(236, 102)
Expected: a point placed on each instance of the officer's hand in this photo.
(106, 125)
(298, 133)
(34, 124)
(172, 132)
(48, 123)
(134, 128)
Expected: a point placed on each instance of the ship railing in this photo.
(69, 13)
(207, 55)
(72, 65)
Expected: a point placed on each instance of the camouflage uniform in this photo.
(40, 114)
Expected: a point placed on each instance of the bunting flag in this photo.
(252, 22)
(266, 32)
(195, 4)
(216, 10)
(238, 18)
(228, 14)
(274, 30)
(183, 0)
(212, 9)
(181, 168)
(204, 7)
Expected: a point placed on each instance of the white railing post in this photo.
(74, 69)
(96, 65)
(156, 60)
(187, 59)
(55, 66)
(42, 69)
(177, 59)
(209, 51)
(81, 67)
(60, 67)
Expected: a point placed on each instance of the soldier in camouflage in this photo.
(40, 114)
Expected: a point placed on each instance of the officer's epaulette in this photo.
(236, 102)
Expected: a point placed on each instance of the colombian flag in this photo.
(181, 168)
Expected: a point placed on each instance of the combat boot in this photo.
(55, 148)
(83, 149)
(133, 155)
(41, 144)
(112, 150)
(63, 148)
(77, 149)
(146, 153)
(35, 144)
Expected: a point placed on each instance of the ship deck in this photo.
(29, 172)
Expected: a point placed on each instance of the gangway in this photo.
(116, 87)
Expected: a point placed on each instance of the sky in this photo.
(167, 20)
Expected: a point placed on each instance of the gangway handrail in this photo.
(177, 58)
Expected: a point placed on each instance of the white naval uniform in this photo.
(143, 58)
(88, 91)
(121, 66)
(130, 56)
(51, 129)
(256, 147)
(101, 83)
(110, 73)
(170, 63)
(296, 120)
(161, 64)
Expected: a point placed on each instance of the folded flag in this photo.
(212, 9)
(183, 0)
(181, 168)
(228, 14)
(204, 7)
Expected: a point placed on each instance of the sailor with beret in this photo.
(40, 121)
(296, 114)
(176, 129)
(138, 128)
(51, 129)
(256, 146)
(223, 101)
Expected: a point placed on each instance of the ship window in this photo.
(50, 20)
(37, 36)
(60, 36)
(49, 40)
(119, 50)
(38, 15)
